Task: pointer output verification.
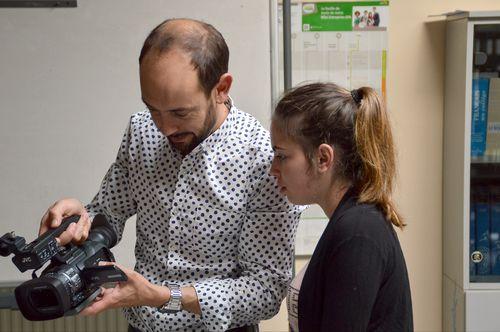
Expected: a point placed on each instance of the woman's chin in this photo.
(297, 200)
(291, 198)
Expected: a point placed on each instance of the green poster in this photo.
(343, 16)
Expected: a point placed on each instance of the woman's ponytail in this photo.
(374, 143)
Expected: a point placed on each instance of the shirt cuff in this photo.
(214, 303)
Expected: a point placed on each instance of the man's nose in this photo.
(168, 129)
(167, 126)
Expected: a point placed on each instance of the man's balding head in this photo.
(201, 41)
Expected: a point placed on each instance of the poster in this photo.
(340, 42)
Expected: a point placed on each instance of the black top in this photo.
(357, 278)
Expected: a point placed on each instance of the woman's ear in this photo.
(222, 88)
(325, 158)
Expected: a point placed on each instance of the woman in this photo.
(370, 19)
(334, 148)
(357, 19)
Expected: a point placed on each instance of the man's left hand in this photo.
(136, 291)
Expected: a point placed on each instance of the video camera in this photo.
(73, 278)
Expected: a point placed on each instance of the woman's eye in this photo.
(280, 157)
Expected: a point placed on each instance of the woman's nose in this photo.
(274, 171)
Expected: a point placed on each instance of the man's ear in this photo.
(325, 158)
(222, 88)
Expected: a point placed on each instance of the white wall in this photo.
(69, 82)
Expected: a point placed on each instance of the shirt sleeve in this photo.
(114, 198)
(265, 255)
(353, 276)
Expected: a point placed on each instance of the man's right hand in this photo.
(76, 232)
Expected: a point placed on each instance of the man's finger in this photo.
(95, 308)
(103, 263)
(99, 306)
(101, 295)
(51, 219)
(67, 235)
(56, 215)
(83, 228)
(78, 234)
(86, 225)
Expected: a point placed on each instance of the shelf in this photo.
(485, 160)
(485, 279)
(488, 172)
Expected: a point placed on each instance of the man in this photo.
(376, 17)
(213, 232)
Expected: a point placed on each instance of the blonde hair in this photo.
(357, 125)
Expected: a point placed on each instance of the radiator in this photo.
(109, 321)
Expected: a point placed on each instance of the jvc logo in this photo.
(26, 260)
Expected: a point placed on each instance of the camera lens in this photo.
(43, 298)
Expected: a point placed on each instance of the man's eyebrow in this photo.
(179, 109)
(275, 147)
(147, 105)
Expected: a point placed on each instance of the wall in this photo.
(416, 96)
(69, 82)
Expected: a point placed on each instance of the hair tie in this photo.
(356, 96)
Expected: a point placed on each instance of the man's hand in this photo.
(76, 232)
(136, 291)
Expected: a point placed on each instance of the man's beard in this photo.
(207, 130)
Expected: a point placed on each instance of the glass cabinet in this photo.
(484, 251)
(471, 173)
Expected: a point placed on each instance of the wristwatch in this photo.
(174, 304)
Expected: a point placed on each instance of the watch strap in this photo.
(174, 304)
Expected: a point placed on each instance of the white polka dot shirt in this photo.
(213, 219)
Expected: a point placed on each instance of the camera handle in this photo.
(35, 254)
(97, 276)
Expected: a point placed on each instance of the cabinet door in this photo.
(484, 240)
(482, 310)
